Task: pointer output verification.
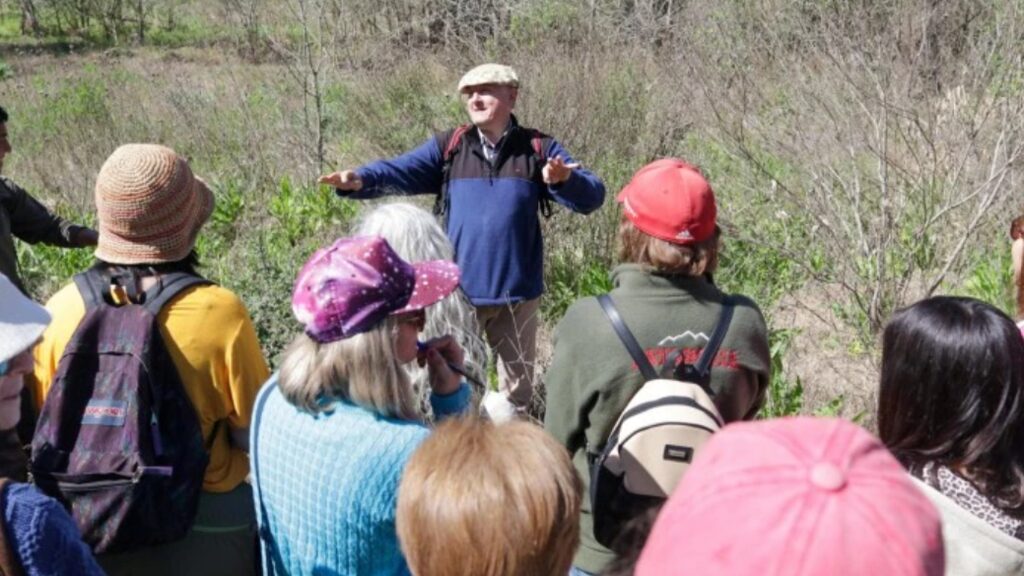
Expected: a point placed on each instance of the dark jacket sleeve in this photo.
(33, 223)
(583, 192)
(418, 171)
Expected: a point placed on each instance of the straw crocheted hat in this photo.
(149, 205)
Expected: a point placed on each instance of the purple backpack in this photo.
(118, 441)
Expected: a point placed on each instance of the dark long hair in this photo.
(189, 264)
(952, 393)
(130, 275)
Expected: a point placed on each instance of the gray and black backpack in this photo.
(655, 438)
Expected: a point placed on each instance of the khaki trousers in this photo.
(511, 331)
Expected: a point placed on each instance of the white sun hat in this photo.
(22, 321)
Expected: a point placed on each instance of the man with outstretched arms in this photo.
(492, 178)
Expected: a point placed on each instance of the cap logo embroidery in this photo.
(684, 235)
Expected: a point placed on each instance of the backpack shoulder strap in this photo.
(91, 285)
(169, 286)
(707, 356)
(267, 539)
(702, 369)
(449, 144)
(627, 338)
(537, 143)
(9, 565)
(454, 140)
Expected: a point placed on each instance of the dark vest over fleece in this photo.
(486, 202)
(493, 220)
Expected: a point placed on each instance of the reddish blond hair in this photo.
(479, 498)
(638, 247)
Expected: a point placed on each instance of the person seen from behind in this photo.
(336, 425)
(150, 209)
(669, 245)
(794, 497)
(37, 537)
(492, 179)
(951, 409)
(483, 498)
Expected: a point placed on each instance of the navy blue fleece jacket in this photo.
(493, 220)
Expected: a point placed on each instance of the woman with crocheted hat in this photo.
(333, 430)
(150, 208)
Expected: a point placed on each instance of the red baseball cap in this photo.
(670, 199)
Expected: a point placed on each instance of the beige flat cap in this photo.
(490, 74)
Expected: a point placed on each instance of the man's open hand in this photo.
(344, 180)
(557, 171)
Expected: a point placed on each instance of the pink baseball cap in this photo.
(795, 496)
(670, 199)
(355, 283)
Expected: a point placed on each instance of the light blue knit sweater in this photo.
(330, 483)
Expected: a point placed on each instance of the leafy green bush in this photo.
(569, 280)
(785, 396)
(991, 280)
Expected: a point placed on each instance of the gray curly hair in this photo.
(416, 236)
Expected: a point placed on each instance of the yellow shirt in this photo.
(213, 344)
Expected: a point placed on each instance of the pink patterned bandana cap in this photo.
(355, 283)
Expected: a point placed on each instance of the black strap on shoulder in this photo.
(91, 285)
(697, 372)
(537, 144)
(707, 357)
(626, 337)
(701, 370)
(94, 284)
(264, 528)
(168, 286)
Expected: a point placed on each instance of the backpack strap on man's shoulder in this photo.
(449, 143)
(627, 338)
(452, 142)
(169, 286)
(537, 143)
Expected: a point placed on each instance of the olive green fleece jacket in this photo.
(592, 376)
